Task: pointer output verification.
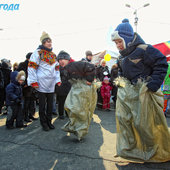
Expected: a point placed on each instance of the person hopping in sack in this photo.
(142, 131)
(81, 100)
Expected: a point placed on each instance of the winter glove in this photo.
(35, 85)
(59, 84)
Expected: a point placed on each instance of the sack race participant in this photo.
(63, 90)
(142, 131)
(81, 100)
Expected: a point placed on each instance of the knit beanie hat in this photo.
(28, 55)
(124, 31)
(106, 78)
(63, 55)
(44, 36)
(89, 53)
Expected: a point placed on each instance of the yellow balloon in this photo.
(107, 57)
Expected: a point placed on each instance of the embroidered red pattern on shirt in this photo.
(48, 57)
(57, 68)
(32, 65)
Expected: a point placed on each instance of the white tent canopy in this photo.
(99, 56)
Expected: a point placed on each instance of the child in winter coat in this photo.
(106, 93)
(142, 131)
(14, 100)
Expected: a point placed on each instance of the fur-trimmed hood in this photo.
(15, 76)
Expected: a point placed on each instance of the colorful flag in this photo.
(164, 48)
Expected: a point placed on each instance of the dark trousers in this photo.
(45, 107)
(114, 93)
(29, 107)
(99, 99)
(15, 113)
(61, 101)
(2, 98)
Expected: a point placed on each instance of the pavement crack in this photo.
(61, 152)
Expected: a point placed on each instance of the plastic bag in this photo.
(80, 105)
(142, 131)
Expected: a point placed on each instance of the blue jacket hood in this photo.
(13, 77)
(136, 41)
(132, 45)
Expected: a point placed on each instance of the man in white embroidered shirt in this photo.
(43, 74)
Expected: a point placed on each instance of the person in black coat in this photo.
(6, 71)
(63, 90)
(101, 71)
(28, 93)
(114, 75)
(1, 88)
(88, 58)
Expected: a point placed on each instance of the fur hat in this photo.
(124, 31)
(63, 55)
(21, 76)
(44, 36)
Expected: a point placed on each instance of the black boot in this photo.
(27, 119)
(21, 126)
(10, 127)
(61, 117)
(55, 113)
(50, 125)
(33, 118)
(45, 127)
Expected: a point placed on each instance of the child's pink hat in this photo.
(106, 78)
